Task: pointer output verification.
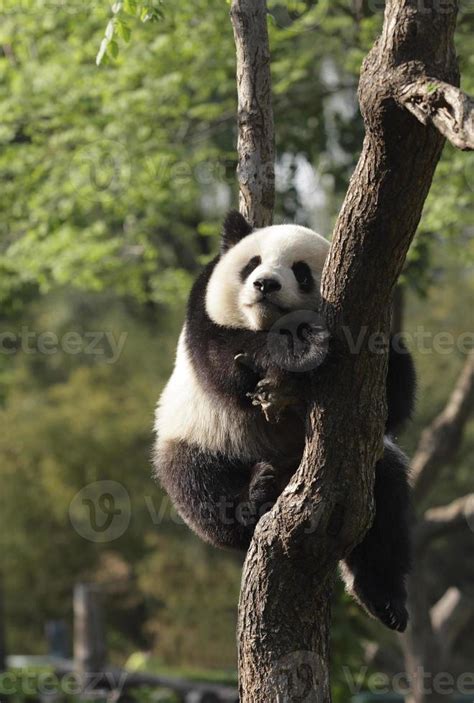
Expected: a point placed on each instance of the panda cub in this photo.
(221, 461)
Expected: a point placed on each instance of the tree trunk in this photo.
(327, 508)
(90, 653)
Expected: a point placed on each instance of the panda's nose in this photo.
(267, 285)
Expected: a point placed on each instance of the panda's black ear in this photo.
(235, 228)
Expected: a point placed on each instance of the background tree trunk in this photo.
(3, 649)
(256, 150)
(327, 508)
(432, 632)
(90, 653)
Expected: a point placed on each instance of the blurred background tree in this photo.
(114, 182)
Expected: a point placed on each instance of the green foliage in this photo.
(118, 26)
(179, 574)
(70, 420)
(30, 684)
(104, 169)
(109, 173)
(24, 685)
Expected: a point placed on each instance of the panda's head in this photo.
(264, 274)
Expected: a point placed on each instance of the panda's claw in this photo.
(393, 614)
(246, 360)
(388, 607)
(273, 398)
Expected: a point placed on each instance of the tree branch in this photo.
(445, 519)
(449, 616)
(327, 508)
(256, 150)
(444, 106)
(440, 441)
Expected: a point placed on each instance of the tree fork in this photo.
(284, 611)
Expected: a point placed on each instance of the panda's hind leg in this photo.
(220, 498)
(376, 569)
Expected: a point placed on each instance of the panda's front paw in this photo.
(264, 488)
(274, 396)
(298, 342)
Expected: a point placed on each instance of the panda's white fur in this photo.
(185, 410)
(231, 304)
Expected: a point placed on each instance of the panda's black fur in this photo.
(222, 487)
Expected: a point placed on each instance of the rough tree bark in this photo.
(446, 107)
(284, 607)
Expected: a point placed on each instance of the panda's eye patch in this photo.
(251, 266)
(304, 276)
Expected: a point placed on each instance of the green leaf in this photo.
(113, 49)
(130, 7)
(123, 30)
